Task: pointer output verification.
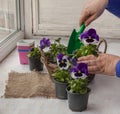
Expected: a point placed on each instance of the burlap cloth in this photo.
(27, 85)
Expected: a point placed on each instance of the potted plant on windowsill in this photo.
(49, 51)
(61, 76)
(91, 43)
(78, 92)
(35, 59)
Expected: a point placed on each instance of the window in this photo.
(8, 18)
(59, 17)
(10, 25)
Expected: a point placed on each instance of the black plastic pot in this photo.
(76, 101)
(91, 78)
(60, 89)
(35, 64)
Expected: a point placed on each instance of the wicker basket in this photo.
(51, 67)
(92, 76)
(105, 43)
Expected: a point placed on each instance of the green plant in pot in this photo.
(61, 76)
(35, 59)
(54, 48)
(50, 50)
(90, 41)
(78, 92)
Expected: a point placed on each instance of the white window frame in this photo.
(48, 30)
(34, 30)
(7, 45)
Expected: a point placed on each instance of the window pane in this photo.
(8, 18)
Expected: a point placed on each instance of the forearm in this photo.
(118, 69)
(102, 3)
(114, 7)
(92, 10)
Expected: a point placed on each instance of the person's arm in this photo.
(118, 69)
(103, 64)
(114, 7)
(92, 10)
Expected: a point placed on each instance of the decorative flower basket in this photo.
(92, 46)
(92, 76)
(51, 67)
(102, 41)
(105, 45)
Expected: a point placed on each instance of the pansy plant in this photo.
(63, 61)
(79, 82)
(34, 53)
(44, 43)
(62, 73)
(90, 40)
(79, 71)
(89, 37)
(55, 48)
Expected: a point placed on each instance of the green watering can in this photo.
(74, 42)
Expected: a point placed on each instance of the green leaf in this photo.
(55, 49)
(61, 75)
(35, 53)
(78, 86)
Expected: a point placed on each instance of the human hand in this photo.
(103, 64)
(92, 10)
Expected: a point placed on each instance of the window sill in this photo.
(10, 44)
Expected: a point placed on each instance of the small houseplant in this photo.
(49, 54)
(61, 76)
(77, 91)
(90, 41)
(54, 48)
(35, 59)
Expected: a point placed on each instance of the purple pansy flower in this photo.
(63, 61)
(89, 37)
(74, 61)
(44, 43)
(79, 71)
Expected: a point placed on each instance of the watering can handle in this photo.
(81, 29)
